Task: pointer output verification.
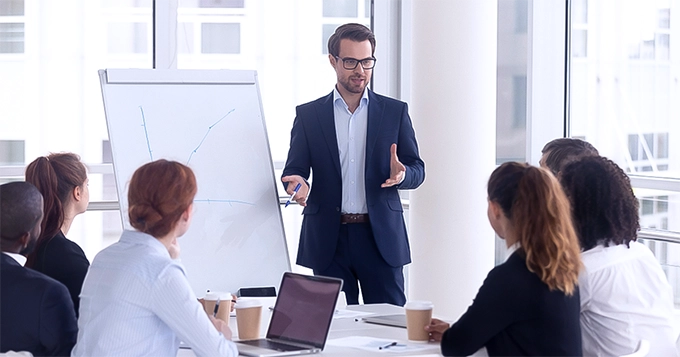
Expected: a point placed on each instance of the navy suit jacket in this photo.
(36, 311)
(314, 146)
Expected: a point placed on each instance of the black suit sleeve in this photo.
(298, 161)
(58, 326)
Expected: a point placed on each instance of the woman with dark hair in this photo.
(136, 300)
(62, 180)
(625, 296)
(528, 305)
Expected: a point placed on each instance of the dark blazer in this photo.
(36, 311)
(314, 145)
(63, 260)
(516, 314)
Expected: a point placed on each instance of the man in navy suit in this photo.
(360, 148)
(36, 311)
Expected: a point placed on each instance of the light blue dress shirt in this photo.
(350, 129)
(136, 301)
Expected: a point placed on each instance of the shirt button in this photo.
(352, 182)
(351, 160)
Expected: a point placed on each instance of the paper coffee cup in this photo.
(209, 302)
(418, 315)
(224, 307)
(248, 313)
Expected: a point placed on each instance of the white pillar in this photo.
(453, 101)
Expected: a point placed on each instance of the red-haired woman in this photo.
(62, 180)
(136, 300)
(528, 305)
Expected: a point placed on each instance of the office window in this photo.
(220, 38)
(651, 40)
(519, 93)
(648, 152)
(12, 152)
(326, 32)
(340, 8)
(221, 3)
(623, 99)
(128, 37)
(11, 38)
(511, 81)
(521, 16)
(646, 206)
(338, 12)
(211, 34)
(12, 8)
(127, 3)
(12, 26)
(579, 43)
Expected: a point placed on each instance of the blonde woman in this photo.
(528, 305)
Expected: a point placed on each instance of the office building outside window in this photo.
(624, 90)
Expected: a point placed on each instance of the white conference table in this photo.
(345, 327)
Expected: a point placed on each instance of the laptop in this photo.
(300, 320)
(394, 320)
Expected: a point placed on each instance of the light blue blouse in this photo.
(136, 301)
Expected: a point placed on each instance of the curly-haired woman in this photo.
(625, 296)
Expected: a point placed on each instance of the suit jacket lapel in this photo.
(376, 108)
(327, 123)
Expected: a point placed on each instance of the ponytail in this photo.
(55, 176)
(539, 212)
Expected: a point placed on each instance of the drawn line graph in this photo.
(146, 133)
(209, 201)
(148, 145)
(206, 134)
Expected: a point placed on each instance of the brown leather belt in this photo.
(353, 218)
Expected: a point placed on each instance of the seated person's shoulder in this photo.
(39, 282)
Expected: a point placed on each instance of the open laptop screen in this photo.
(304, 309)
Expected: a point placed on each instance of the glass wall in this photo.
(50, 97)
(624, 99)
(511, 90)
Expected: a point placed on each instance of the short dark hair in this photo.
(603, 205)
(559, 151)
(352, 31)
(20, 210)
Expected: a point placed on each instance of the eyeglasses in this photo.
(352, 63)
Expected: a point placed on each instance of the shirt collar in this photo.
(18, 257)
(337, 96)
(137, 237)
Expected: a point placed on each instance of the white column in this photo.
(453, 101)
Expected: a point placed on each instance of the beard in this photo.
(354, 88)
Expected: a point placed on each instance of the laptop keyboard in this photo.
(273, 345)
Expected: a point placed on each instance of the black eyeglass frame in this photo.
(345, 66)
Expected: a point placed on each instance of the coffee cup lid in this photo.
(225, 296)
(419, 305)
(242, 304)
(211, 296)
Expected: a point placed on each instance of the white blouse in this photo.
(625, 297)
(136, 301)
